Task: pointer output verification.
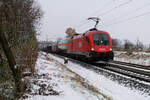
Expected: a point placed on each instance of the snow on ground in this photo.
(106, 86)
(53, 81)
(57, 81)
(141, 58)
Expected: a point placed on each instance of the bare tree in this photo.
(128, 45)
(116, 43)
(18, 24)
(148, 47)
(139, 45)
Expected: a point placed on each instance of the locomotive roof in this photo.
(93, 29)
(97, 31)
(88, 32)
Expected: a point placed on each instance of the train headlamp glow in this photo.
(110, 49)
(92, 48)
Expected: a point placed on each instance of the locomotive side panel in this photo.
(78, 45)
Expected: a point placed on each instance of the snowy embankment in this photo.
(56, 81)
(141, 58)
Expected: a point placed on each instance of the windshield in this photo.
(101, 39)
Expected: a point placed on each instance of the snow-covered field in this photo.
(141, 58)
(54, 80)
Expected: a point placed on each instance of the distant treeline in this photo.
(128, 45)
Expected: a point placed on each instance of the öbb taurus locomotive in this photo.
(93, 45)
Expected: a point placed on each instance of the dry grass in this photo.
(29, 56)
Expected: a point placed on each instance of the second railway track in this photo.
(132, 70)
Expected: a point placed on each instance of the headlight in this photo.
(92, 48)
(110, 49)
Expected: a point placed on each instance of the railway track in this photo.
(133, 65)
(132, 70)
(140, 72)
(137, 76)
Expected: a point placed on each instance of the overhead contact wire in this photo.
(127, 19)
(116, 7)
(85, 21)
(128, 14)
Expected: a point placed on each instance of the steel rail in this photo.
(127, 69)
(130, 68)
(129, 73)
(133, 65)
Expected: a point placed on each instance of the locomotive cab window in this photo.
(87, 39)
(100, 39)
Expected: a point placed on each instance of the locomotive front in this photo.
(100, 46)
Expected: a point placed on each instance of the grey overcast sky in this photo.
(123, 19)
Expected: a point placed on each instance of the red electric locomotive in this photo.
(94, 45)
